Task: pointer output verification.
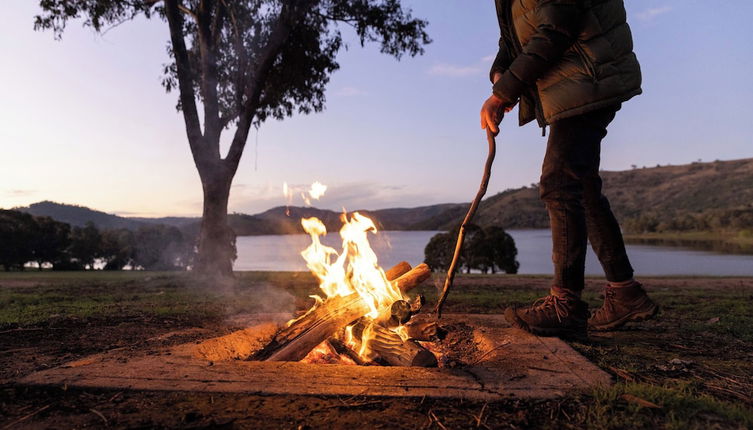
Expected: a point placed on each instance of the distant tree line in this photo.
(488, 249)
(739, 220)
(42, 240)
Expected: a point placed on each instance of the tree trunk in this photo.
(216, 241)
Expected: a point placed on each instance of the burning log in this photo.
(391, 348)
(294, 342)
(398, 270)
(343, 349)
(413, 278)
(298, 339)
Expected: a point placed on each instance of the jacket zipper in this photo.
(590, 68)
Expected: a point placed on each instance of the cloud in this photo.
(351, 196)
(489, 58)
(650, 14)
(350, 92)
(19, 193)
(453, 71)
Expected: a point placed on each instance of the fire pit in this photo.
(365, 337)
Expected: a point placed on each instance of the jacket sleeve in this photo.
(558, 23)
(501, 61)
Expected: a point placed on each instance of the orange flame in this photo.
(355, 269)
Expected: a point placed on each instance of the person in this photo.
(570, 65)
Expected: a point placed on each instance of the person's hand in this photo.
(492, 112)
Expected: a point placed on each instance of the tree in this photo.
(160, 247)
(49, 240)
(86, 245)
(118, 248)
(484, 249)
(16, 238)
(245, 61)
(503, 250)
(438, 252)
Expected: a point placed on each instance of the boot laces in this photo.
(609, 299)
(559, 304)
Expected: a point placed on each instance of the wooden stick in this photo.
(467, 220)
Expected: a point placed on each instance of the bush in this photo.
(487, 249)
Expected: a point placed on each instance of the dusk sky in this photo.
(85, 121)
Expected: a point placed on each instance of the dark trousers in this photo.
(578, 211)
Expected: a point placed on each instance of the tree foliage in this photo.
(485, 249)
(46, 242)
(16, 239)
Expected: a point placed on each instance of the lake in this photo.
(282, 253)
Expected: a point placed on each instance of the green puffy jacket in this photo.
(561, 58)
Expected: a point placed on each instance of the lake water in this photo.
(282, 253)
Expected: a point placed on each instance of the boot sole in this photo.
(561, 332)
(631, 317)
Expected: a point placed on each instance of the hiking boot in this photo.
(622, 305)
(561, 313)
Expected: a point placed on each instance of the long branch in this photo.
(185, 82)
(467, 220)
(208, 61)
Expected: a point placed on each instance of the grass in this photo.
(695, 362)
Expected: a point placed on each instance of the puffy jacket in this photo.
(561, 58)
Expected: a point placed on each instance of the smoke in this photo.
(245, 298)
(270, 298)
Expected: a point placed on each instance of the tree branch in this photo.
(185, 83)
(208, 59)
(291, 13)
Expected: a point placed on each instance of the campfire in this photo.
(364, 315)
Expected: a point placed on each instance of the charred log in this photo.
(427, 331)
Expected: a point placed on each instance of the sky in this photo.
(85, 120)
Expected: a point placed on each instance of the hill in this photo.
(282, 220)
(692, 197)
(697, 196)
(80, 215)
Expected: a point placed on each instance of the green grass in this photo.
(680, 407)
(33, 298)
(710, 393)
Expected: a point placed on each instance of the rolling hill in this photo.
(716, 194)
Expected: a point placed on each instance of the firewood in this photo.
(345, 350)
(295, 341)
(413, 278)
(427, 331)
(388, 346)
(396, 315)
(417, 304)
(398, 270)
